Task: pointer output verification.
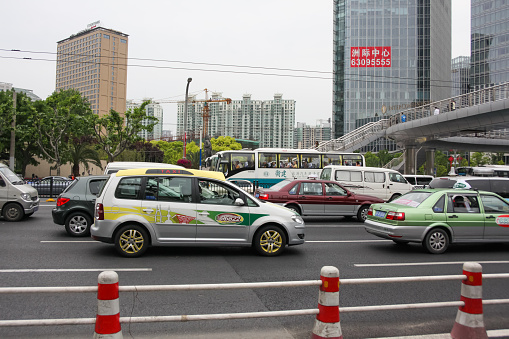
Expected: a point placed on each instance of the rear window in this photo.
(423, 181)
(412, 199)
(442, 183)
(68, 188)
(280, 185)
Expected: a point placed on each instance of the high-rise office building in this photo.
(94, 62)
(152, 110)
(489, 62)
(270, 122)
(388, 56)
(460, 75)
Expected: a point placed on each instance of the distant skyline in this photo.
(207, 41)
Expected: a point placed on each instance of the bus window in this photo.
(288, 160)
(267, 160)
(310, 161)
(353, 160)
(331, 159)
(242, 161)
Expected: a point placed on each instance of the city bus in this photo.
(268, 166)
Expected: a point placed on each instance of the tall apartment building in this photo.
(388, 56)
(268, 121)
(489, 62)
(306, 136)
(152, 110)
(460, 75)
(94, 62)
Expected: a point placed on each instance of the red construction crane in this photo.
(206, 109)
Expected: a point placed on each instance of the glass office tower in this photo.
(489, 63)
(389, 55)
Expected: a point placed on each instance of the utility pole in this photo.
(13, 132)
(185, 118)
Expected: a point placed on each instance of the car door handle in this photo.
(490, 217)
(148, 210)
(203, 213)
(303, 197)
(453, 216)
(329, 198)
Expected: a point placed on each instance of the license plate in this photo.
(380, 214)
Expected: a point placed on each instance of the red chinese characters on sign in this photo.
(370, 56)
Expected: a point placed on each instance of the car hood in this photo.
(27, 189)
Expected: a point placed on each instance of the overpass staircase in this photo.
(357, 138)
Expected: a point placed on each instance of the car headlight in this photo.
(298, 219)
(25, 196)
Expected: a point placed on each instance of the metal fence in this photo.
(49, 187)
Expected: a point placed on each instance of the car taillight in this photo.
(395, 216)
(62, 201)
(370, 211)
(263, 196)
(99, 212)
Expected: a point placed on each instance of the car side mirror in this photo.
(2, 183)
(348, 194)
(239, 202)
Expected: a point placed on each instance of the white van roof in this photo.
(360, 168)
(114, 167)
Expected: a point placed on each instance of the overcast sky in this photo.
(284, 34)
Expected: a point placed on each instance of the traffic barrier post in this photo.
(107, 324)
(327, 323)
(469, 319)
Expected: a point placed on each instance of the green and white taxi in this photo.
(138, 208)
(437, 218)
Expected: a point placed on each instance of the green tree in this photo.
(479, 159)
(115, 132)
(82, 152)
(61, 116)
(172, 150)
(25, 146)
(372, 160)
(224, 144)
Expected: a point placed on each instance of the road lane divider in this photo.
(430, 263)
(57, 270)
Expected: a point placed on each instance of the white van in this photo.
(383, 183)
(17, 200)
(419, 181)
(115, 166)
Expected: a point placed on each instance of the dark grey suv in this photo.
(75, 205)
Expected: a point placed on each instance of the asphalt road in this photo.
(36, 244)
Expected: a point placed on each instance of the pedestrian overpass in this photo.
(476, 123)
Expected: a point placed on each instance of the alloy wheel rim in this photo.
(271, 241)
(437, 241)
(78, 224)
(131, 241)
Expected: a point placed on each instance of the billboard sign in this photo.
(370, 56)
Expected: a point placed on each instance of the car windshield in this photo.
(442, 183)
(412, 199)
(11, 176)
(280, 185)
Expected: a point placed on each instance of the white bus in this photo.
(267, 166)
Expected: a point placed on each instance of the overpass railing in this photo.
(354, 137)
(479, 97)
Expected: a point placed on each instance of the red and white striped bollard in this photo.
(327, 320)
(107, 323)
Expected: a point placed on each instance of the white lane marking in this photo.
(52, 205)
(31, 270)
(430, 263)
(73, 241)
(345, 241)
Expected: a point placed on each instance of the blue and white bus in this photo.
(268, 166)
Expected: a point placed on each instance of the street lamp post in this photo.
(185, 117)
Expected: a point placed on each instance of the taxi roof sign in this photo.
(462, 185)
(170, 171)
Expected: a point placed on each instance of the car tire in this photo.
(78, 224)
(436, 241)
(394, 197)
(13, 212)
(269, 240)
(362, 213)
(131, 241)
(294, 208)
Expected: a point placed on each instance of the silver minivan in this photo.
(138, 208)
(17, 200)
